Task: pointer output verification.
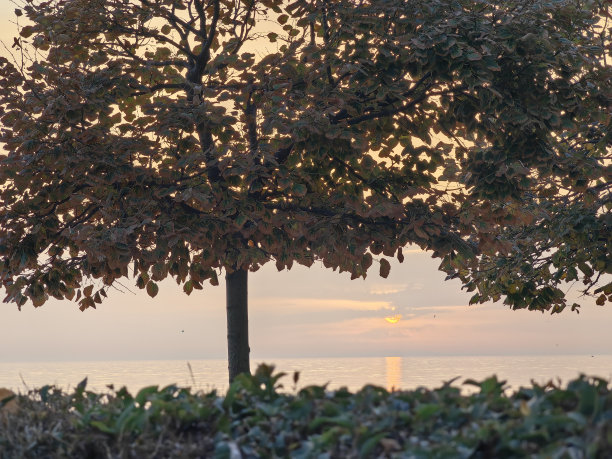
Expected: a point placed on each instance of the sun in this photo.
(393, 319)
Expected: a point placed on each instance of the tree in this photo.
(191, 137)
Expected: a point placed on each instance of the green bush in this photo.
(257, 418)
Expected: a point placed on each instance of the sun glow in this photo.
(393, 319)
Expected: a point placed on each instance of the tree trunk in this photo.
(238, 349)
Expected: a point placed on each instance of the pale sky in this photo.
(305, 312)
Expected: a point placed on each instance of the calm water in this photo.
(398, 372)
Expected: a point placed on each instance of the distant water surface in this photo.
(354, 373)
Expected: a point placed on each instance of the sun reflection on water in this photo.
(394, 372)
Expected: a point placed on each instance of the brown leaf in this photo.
(9, 407)
(88, 290)
(601, 300)
(390, 444)
(419, 232)
(385, 268)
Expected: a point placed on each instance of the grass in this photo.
(258, 418)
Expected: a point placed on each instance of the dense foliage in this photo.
(256, 419)
(187, 137)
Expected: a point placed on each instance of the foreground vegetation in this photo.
(258, 418)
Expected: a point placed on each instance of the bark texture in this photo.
(237, 323)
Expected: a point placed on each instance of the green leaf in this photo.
(101, 426)
(240, 220)
(299, 189)
(143, 394)
(341, 420)
(368, 446)
(142, 280)
(491, 63)
(188, 287)
(455, 52)
(152, 289)
(80, 388)
(586, 269)
(427, 411)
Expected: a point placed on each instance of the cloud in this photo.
(387, 289)
(422, 310)
(352, 327)
(390, 289)
(320, 304)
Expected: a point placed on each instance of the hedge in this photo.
(258, 417)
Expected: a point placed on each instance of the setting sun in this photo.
(393, 319)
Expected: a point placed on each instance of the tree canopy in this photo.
(180, 138)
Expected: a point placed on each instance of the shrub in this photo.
(257, 417)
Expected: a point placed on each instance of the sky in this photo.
(305, 312)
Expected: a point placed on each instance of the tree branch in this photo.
(175, 21)
(158, 87)
(89, 212)
(195, 74)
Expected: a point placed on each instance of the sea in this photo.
(392, 372)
